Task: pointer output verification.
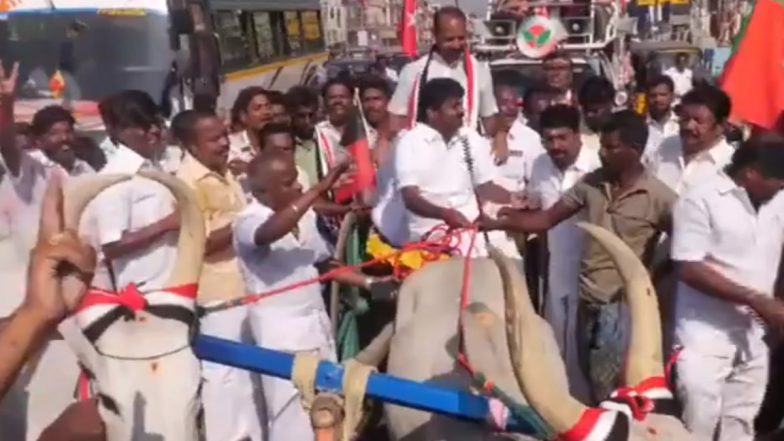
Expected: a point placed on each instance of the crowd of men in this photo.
(706, 217)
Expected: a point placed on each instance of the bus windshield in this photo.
(96, 53)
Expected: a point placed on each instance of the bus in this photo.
(76, 52)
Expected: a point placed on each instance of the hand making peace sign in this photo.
(8, 82)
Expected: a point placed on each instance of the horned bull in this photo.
(505, 339)
(136, 348)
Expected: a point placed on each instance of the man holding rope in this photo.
(279, 246)
(445, 169)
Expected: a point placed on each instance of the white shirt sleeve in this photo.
(112, 211)
(484, 166)
(408, 166)
(487, 104)
(398, 104)
(691, 238)
(245, 226)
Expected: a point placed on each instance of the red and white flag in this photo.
(408, 33)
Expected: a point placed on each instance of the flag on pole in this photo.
(408, 33)
(363, 172)
(754, 76)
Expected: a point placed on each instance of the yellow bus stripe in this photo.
(266, 68)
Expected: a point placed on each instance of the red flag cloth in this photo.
(754, 76)
(362, 172)
(408, 33)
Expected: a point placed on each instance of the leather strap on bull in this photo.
(99, 309)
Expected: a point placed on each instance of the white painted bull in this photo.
(136, 347)
(506, 340)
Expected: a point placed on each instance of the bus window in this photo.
(267, 43)
(293, 33)
(235, 45)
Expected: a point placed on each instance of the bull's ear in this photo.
(192, 238)
(644, 359)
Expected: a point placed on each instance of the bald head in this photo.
(273, 179)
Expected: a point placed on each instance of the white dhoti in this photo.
(560, 312)
(721, 385)
(230, 412)
(290, 329)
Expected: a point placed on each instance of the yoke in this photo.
(426, 396)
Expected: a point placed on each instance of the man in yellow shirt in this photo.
(227, 394)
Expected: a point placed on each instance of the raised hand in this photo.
(61, 265)
(8, 81)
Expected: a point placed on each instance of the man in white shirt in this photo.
(662, 121)
(727, 241)
(565, 163)
(596, 98)
(278, 244)
(53, 141)
(525, 145)
(450, 57)
(559, 77)
(443, 168)
(681, 75)
(684, 161)
(40, 394)
(138, 241)
(250, 112)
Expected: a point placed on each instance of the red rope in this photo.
(432, 246)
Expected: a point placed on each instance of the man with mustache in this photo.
(54, 141)
(662, 120)
(303, 107)
(701, 149)
(451, 58)
(553, 174)
(38, 397)
(624, 198)
(727, 239)
(227, 393)
(596, 100)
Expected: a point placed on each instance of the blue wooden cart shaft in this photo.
(423, 396)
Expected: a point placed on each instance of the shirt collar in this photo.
(726, 184)
(440, 60)
(126, 161)
(669, 119)
(583, 162)
(79, 167)
(720, 153)
(194, 169)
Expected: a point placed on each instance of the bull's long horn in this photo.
(644, 358)
(532, 365)
(80, 191)
(190, 246)
(191, 241)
